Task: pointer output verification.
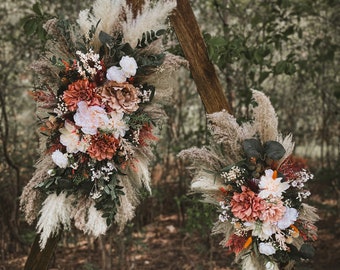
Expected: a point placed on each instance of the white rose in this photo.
(115, 74)
(60, 159)
(129, 66)
(288, 218)
(270, 266)
(90, 118)
(266, 248)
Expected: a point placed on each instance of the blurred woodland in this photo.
(288, 49)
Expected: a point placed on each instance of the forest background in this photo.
(288, 49)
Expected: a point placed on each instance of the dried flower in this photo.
(60, 159)
(81, 90)
(270, 186)
(115, 74)
(102, 146)
(266, 248)
(290, 216)
(121, 96)
(129, 66)
(90, 118)
(274, 211)
(236, 243)
(247, 206)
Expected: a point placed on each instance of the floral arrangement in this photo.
(102, 82)
(258, 188)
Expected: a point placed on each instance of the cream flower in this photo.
(90, 118)
(70, 138)
(129, 66)
(261, 230)
(60, 159)
(271, 187)
(115, 74)
(117, 125)
(270, 266)
(266, 248)
(288, 218)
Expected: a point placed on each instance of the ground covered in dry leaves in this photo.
(161, 241)
(162, 245)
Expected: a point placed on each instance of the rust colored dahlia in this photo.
(103, 146)
(247, 206)
(81, 90)
(121, 96)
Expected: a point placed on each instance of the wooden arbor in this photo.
(208, 86)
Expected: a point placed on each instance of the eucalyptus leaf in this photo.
(252, 148)
(106, 39)
(274, 150)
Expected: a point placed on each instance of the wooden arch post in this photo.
(195, 51)
(206, 80)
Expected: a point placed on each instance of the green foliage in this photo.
(149, 37)
(115, 49)
(199, 216)
(33, 23)
(270, 149)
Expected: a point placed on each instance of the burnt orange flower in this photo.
(103, 146)
(81, 90)
(120, 96)
(236, 243)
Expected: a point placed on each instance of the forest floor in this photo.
(162, 245)
(162, 241)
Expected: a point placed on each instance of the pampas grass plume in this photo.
(54, 214)
(96, 224)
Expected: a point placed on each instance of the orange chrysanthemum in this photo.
(103, 146)
(81, 90)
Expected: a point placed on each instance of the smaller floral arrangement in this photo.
(262, 200)
(249, 173)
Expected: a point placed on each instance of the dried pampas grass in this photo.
(105, 13)
(265, 118)
(151, 18)
(55, 214)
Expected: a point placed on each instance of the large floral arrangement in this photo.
(258, 188)
(101, 83)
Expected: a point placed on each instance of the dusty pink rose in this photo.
(274, 211)
(121, 97)
(247, 206)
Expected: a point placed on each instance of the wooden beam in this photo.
(203, 72)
